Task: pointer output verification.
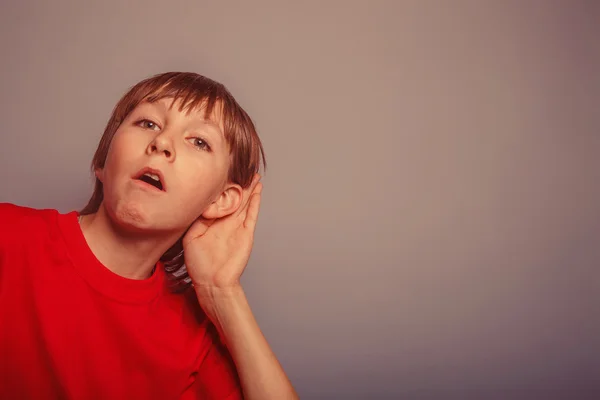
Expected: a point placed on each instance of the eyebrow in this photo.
(213, 125)
(151, 105)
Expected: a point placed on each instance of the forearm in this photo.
(261, 375)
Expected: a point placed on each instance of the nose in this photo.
(162, 144)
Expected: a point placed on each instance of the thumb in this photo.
(198, 228)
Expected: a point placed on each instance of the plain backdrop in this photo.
(430, 223)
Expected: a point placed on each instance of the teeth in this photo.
(153, 176)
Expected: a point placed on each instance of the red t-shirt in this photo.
(72, 329)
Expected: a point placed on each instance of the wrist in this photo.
(210, 294)
(219, 302)
(226, 307)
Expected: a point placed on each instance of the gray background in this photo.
(431, 222)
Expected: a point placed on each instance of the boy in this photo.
(138, 296)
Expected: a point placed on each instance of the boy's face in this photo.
(187, 153)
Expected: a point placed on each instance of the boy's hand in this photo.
(217, 251)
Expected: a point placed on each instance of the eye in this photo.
(200, 143)
(148, 124)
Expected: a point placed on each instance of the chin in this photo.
(131, 217)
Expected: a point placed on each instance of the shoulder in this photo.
(17, 222)
(11, 214)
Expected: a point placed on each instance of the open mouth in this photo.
(152, 178)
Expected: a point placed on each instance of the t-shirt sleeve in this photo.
(217, 376)
(9, 216)
(11, 228)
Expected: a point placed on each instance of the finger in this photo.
(255, 179)
(251, 191)
(253, 184)
(247, 193)
(253, 208)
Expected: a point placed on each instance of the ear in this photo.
(99, 172)
(226, 203)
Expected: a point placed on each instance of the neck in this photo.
(129, 255)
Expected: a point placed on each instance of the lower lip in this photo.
(147, 186)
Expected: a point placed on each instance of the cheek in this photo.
(198, 189)
(120, 153)
(199, 195)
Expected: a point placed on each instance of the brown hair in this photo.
(195, 92)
